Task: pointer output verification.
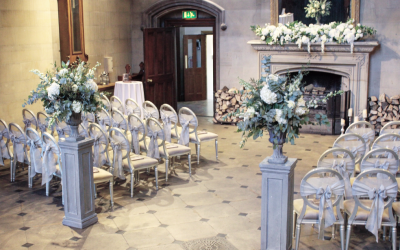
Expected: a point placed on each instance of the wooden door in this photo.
(195, 80)
(159, 60)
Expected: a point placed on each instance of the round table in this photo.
(131, 89)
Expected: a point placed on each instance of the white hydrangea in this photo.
(63, 72)
(278, 117)
(249, 113)
(53, 91)
(267, 95)
(77, 107)
(273, 77)
(291, 104)
(74, 87)
(92, 85)
(301, 102)
(301, 111)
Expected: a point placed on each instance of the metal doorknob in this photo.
(149, 80)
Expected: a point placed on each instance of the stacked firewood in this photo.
(228, 101)
(383, 110)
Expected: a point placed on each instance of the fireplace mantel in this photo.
(337, 59)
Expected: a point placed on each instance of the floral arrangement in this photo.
(68, 89)
(299, 33)
(317, 9)
(275, 103)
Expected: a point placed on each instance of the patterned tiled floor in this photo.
(221, 199)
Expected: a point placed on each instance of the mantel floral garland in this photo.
(299, 33)
(275, 103)
(68, 89)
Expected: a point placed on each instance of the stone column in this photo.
(277, 204)
(77, 183)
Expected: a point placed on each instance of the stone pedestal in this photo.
(277, 204)
(77, 183)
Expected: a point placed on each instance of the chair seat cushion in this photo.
(146, 162)
(311, 213)
(176, 149)
(173, 133)
(203, 137)
(102, 176)
(362, 214)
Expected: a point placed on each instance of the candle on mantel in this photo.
(342, 122)
(356, 119)
(350, 112)
(365, 114)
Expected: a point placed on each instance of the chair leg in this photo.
(132, 180)
(342, 236)
(333, 231)
(166, 169)
(198, 154)
(294, 223)
(47, 188)
(29, 177)
(348, 236)
(384, 233)
(216, 149)
(394, 234)
(156, 173)
(297, 236)
(190, 164)
(95, 190)
(11, 169)
(112, 193)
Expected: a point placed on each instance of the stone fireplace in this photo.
(353, 68)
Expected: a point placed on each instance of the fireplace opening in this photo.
(318, 85)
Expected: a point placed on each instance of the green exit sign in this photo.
(189, 14)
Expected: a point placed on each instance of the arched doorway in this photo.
(164, 14)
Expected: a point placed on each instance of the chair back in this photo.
(18, 139)
(322, 189)
(390, 141)
(100, 147)
(189, 123)
(157, 138)
(63, 130)
(121, 150)
(138, 132)
(29, 119)
(4, 142)
(132, 107)
(365, 130)
(390, 128)
(150, 110)
(51, 157)
(354, 143)
(382, 192)
(43, 122)
(104, 120)
(381, 158)
(87, 118)
(116, 104)
(34, 141)
(169, 119)
(82, 130)
(118, 120)
(106, 102)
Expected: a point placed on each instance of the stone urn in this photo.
(74, 121)
(277, 156)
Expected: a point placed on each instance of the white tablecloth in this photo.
(132, 89)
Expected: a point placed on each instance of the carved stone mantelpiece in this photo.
(337, 59)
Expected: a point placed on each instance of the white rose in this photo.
(263, 38)
(77, 107)
(301, 102)
(278, 117)
(267, 95)
(291, 104)
(300, 111)
(92, 85)
(250, 112)
(359, 31)
(74, 87)
(53, 91)
(273, 77)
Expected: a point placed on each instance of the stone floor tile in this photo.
(230, 224)
(130, 209)
(105, 241)
(13, 239)
(245, 240)
(221, 184)
(177, 216)
(136, 222)
(235, 194)
(191, 231)
(165, 203)
(172, 246)
(216, 210)
(200, 199)
(252, 205)
(149, 237)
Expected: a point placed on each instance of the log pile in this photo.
(383, 110)
(227, 101)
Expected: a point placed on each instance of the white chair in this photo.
(5, 152)
(18, 139)
(374, 212)
(150, 110)
(34, 142)
(51, 160)
(159, 148)
(124, 159)
(132, 107)
(390, 141)
(354, 143)
(119, 120)
(170, 122)
(138, 132)
(341, 160)
(87, 119)
(390, 128)
(106, 102)
(63, 130)
(29, 119)
(43, 123)
(116, 104)
(83, 131)
(381, 158)
(365, 130)
(104, 120)
(189, 124)
(321, 191)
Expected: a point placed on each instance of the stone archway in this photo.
(151, 19)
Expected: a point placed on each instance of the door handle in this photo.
(185, 61)
(149, 80)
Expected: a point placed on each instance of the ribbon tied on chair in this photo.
(104, 120)
(63, 130)
(3, 147)
(118, 144)
(29, 122)
(49, 162)
(85, 120)
(153, 150)
(168, 118)
(185, 121)
(42, 126)
(326, 215)
(120, 124)
(378, 205)
(387, 164)
(368, 137)
(341, 167)
(34, 155)
(135, 129)
(117, 106)
(98, 148)
(149, 112)
(18, 145)
(130, 109)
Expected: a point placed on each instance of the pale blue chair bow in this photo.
(49, 162)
